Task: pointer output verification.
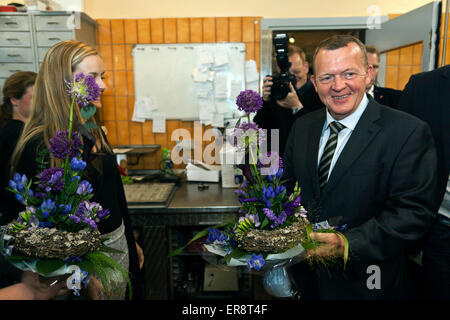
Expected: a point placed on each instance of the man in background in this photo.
(387, 96)
(302, 99)
(427, 96)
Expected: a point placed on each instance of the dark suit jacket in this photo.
(381, 187)
(387, 96)
(427, 96)
(273, 116)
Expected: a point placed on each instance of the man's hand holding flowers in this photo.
(330, 244)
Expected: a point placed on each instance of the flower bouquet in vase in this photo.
(57, 233)
(272, 230)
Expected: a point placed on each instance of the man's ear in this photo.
(306, 67)
(313, 80)
(369, 75)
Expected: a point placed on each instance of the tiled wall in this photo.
(403, 62)
(116, 38)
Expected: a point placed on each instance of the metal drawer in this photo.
(15, 39)
(48, 39)
(7, 69)
(41, 53)
(54, 23)
(14, 23)
(16, 55)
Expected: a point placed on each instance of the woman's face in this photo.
(93, 66)
(22, 106)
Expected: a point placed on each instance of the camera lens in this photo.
(280, 90)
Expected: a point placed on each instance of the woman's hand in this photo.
(140, 253)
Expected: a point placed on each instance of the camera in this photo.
(280, 87)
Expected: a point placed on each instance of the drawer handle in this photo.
(14, 71)
(52, 22)
(12, 39)
(13, 55)
(54, 39)
(11, 22)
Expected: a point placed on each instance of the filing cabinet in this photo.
(26, 37)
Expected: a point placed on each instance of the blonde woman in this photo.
(50, 113)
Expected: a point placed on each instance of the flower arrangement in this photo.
(58, 228)
(273, 225)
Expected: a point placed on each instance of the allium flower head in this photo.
(249, 101)
(84, 89)
(60, 145)
(248, 134)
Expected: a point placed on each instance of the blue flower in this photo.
(66, 208)
(215, 234)
(256, 262)
(47, 207)
(77, 165)
(84, 188)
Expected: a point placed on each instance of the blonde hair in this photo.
(51, 102)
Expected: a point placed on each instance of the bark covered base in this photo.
(274, 241)
(48, 243)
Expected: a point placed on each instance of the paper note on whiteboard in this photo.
(159, 122)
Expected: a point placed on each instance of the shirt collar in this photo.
(352, 120)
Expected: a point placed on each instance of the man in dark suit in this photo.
(363, 165)
(281, 114)
(427, 96)
(386, 96)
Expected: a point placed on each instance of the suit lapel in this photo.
(361, 137)
(313, 149)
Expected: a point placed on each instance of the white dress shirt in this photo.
(350, 123)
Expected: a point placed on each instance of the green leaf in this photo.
(101, 262)
(264, 223)
(88, 111)
(109, 249)
(18, 257)
(48, 266)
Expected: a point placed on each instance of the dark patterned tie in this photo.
(328, 152)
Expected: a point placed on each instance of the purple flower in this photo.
(253, 218)
(279, 220)
(242, 199)
(52, 179)
(60, 145)
(246, 135)
(269, 214)
(256, 262)
(84, 188)
(84, 89)
(249, 101)
(271, 164)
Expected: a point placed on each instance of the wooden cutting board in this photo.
(148, 191)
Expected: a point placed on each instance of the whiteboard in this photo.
(165, 73)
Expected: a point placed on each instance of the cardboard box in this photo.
(202, 172)
(220, 279)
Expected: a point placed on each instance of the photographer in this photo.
(281, 113)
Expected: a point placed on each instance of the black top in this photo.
(273, 116)
(387, 96)
(9, 135)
